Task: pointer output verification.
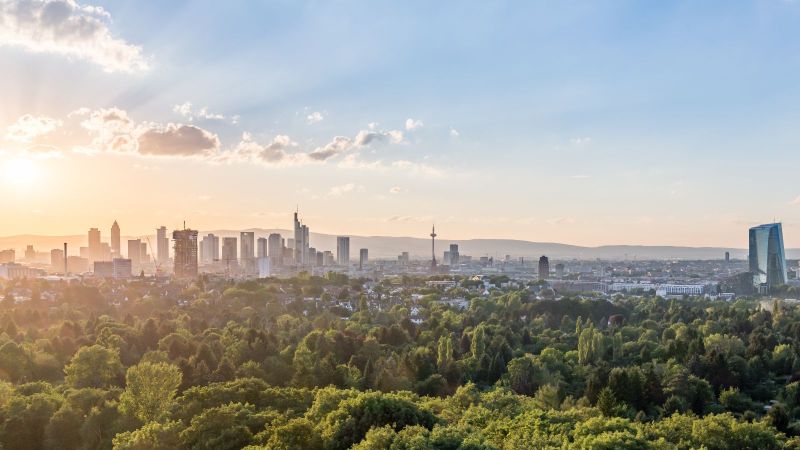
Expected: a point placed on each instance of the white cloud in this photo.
(113, 130)
(454, 133)
(580, 141)
(177, 140)
(279, 152)
(28, 127)
(68, 28)
(395, 190)
(186, 110)
(315, 117)
(412, 124)
(338, 191)
(364, 138)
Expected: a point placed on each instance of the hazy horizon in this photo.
(585, 123)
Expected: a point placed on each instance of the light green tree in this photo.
(150, 389)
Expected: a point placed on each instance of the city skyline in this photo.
(586, 124)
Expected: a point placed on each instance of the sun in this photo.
(20, 171)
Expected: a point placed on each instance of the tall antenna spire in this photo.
(433, 248)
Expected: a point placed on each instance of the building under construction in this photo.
(185, 253)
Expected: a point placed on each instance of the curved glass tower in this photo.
(767, 258)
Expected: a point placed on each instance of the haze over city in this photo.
(585, 123)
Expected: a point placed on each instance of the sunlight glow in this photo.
(20, 171)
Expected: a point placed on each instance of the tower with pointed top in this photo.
(433, 248)
(115, 242)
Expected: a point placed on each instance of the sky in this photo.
(585, 122)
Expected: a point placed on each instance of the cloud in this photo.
(68, 28)
(177, 140)
(412, 124)
(41, 151)
(186, 110)
(338, 191)
(337, 145)
(29, 127)
(315, 117)
(276, 153)
(395, 190)
(580, 141)
(114, 131)
(454, 133)
(364, 138)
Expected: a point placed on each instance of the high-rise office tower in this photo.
(560, 270)
(209, 249)
(185, 251)
(30, 253)
(767, 257)
(247, 252)
(229, 252)
(95, 247)
(162, 245)
(363, 257)
(343, 250)
(275, 249)
(115, 240)
(135, 252)
(301, 243)
(312, 256)
(262, 250)
(247, 243)
(454, 256)
(544, 268)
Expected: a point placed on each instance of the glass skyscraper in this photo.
(767, 257)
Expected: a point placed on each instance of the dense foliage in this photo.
(333, 363)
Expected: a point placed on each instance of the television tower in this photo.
(433, 248)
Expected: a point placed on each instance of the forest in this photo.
(336, 363)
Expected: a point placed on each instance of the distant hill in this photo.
(389, 247)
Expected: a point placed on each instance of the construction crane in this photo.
(153, 254)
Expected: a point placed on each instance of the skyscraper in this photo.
(115, 242)
(209, 249)
(95, 247)
(363, 258)
(544, 268)
(247, 251)
(766, 256)
(275, 249)
(162, 245)
(135, 252)
(343, 250)
(247, 243)
(229, 254)
(454, 256)
(185, 252)
(301, 243)
(262, 250)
